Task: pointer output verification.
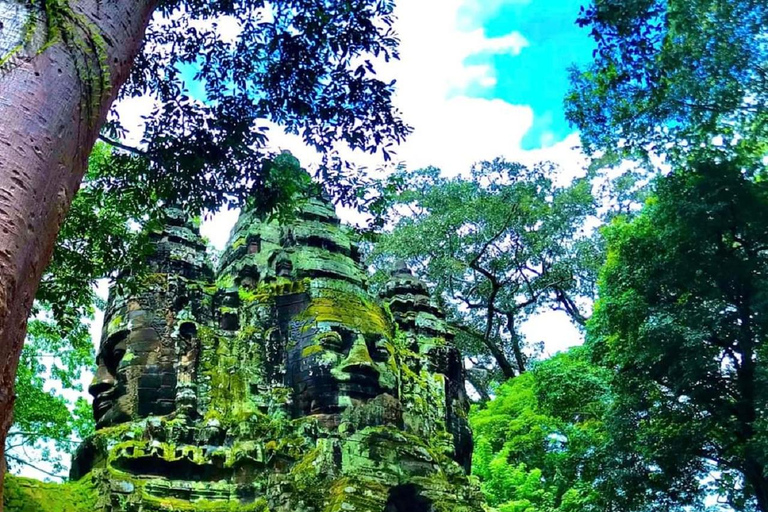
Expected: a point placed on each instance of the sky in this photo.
(482, 78)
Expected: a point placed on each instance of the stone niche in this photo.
(277, 384)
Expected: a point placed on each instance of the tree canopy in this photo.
(540, 444)
(48, 420)
(496, 246)
(681, 319)
(308, 66)
(672, 78)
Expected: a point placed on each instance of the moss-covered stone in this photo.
(280, 386)
(28, 495)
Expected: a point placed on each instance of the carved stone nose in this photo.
(359, 358)
(102, 381)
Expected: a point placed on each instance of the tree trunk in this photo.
(755, 477)
(746, 408)
(53, 99)
(501, 359)
(478, 385)
(493, 348)
(515, 339)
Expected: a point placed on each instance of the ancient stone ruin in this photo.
(279, 384)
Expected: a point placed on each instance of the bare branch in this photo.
(26, 463)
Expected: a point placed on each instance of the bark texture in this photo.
(52, 104)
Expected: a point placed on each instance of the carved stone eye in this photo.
(379, 352)
(115, 351)
(330, 340)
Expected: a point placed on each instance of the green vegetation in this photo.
(27, 495)
(683, 319)
(48, 423)
(310, 67)
(539, 444)
(675, 78)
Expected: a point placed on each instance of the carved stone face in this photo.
(105, 388)
(134, 377)
(339, 367)
(333, 364)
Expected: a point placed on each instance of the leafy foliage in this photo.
(100, 236)
(497, 246)
(307, 65)
(540, 444)
(671, 76)
(683, 319)
(48, 420)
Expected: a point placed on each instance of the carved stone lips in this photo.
(103, 402)
(363, 377)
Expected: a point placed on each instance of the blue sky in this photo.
(537, 76)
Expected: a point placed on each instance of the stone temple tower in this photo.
(280, 385)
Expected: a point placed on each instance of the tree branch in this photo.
(120, 145)
(570, 307)
(26, 463)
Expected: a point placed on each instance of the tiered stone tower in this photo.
(283, 385)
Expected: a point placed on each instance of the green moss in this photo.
(114, 324)
(27, 495)
(177, 505)
(225, 282)
(156, 279)
(247, 295)
(266, 293)
(310, 350)
(352, 310)
(87, 48)
(28, 33)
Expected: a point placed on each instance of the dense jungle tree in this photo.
(306, 65)
(497, 246)
(672, 76)
(540, 444)
(682, 320)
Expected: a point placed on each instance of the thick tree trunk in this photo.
(754, 474)
(501, 359)
(746, 408)
(52, 104)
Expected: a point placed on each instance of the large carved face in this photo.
(334, 361)
(105, 387)
(135, 377)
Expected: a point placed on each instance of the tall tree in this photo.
(301, 63)
(540, 444)
(496, 246)
(672, 75)
(683, 320)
